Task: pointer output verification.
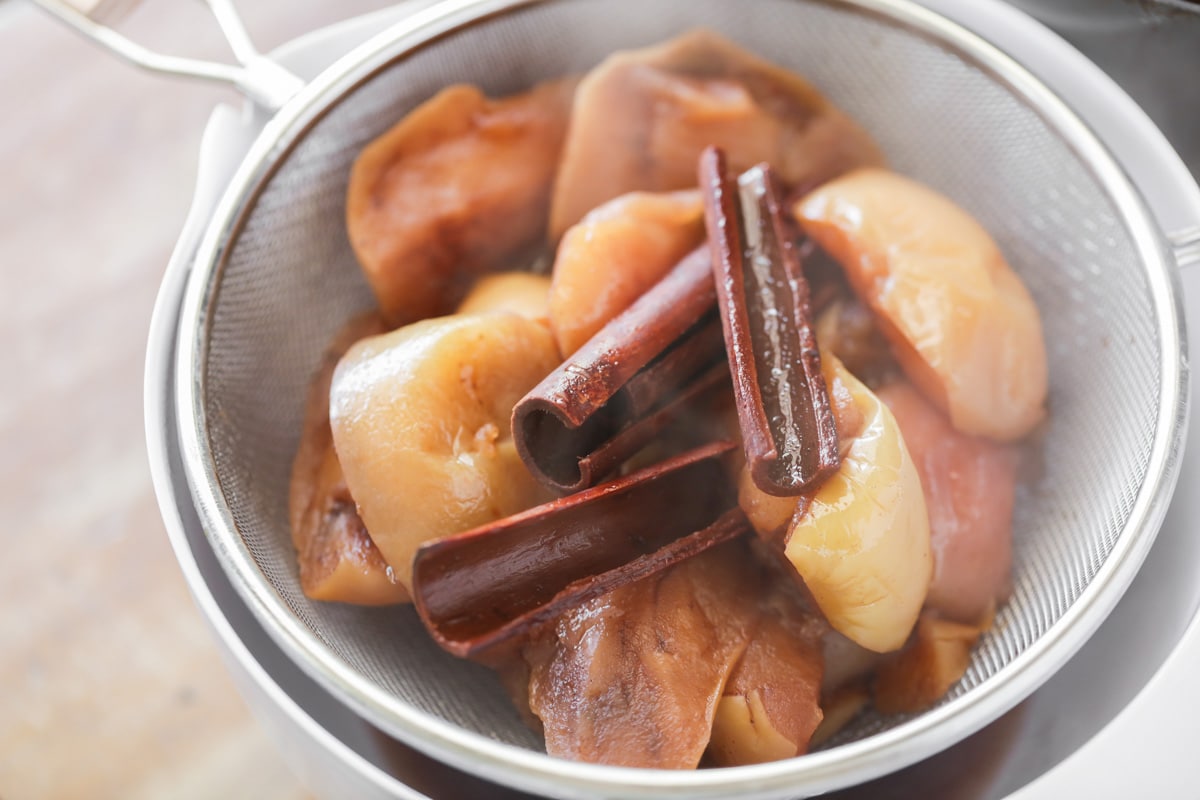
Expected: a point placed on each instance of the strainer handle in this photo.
(1186, 244)
(256, 76)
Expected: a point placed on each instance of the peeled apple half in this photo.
(420, 420)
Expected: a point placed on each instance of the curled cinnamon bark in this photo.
(481, 588)
(783, 404)
(622, 387)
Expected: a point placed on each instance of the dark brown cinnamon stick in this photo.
(481, 588)
(783, 404)
(622, 387)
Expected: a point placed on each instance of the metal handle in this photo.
(257, 77)
(1186, 244)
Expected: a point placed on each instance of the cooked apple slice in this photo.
(960, 322)
(459, 187)
(861, 542)
(641, 119)
(770, 707)
(633, 677)
(338, 561)
(420, 420)
(614, 255)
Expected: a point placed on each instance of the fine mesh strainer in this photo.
(275, 278)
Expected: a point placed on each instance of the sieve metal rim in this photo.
(872, 756)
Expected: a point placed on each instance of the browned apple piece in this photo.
(459, 187)
(633, 678)
(919, 675)
(338, 561)
(642, 117)
(770, 707)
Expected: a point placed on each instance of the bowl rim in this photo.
(535, 771)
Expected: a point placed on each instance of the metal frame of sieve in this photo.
(848, 763)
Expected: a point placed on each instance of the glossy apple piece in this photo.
(420, 421)
(960, 322)
(339, 562)
(614, 254)
(769, 514)
(861, 544)
(770, 706)
(918, 676)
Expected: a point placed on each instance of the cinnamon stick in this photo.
(783, 404)
(626, 383)
(481, 588)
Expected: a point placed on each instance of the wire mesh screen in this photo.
(290, 280)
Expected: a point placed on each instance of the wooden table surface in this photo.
(110, 684)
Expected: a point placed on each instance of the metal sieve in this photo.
(275, 277)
